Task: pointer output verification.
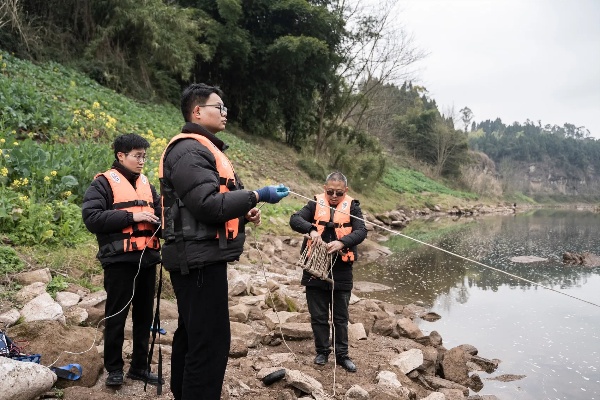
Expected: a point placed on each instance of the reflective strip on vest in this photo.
(341, 220)
(224, 168)
(135, 237)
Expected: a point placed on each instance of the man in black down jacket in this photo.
(205, 211)
(122, 208)
(328, 218)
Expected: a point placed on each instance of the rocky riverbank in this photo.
(271, 331)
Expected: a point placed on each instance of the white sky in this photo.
(512, 59)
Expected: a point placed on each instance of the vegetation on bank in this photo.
(56, 126)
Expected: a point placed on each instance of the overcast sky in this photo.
(512, 59)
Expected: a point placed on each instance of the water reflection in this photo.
(551, 338)
(420, 273)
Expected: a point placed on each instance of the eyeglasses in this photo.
(140, 157)
(221, 107)
(338, 193)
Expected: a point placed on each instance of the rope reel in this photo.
(316, 261)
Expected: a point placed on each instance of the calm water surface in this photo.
(551, 338)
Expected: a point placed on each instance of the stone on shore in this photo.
(24, 380)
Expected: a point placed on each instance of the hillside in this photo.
(79, 113)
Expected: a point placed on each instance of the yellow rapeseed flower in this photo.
(2, 140)
(53, 173)
(16, 183)
(24, 198)
(96, 105)
(67, 193)
(25, 181)
(47, 179)
(4, 171)
(13, 132)
(15, 143)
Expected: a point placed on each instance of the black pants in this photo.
(319, 305)
(118, 283)
(201, 341)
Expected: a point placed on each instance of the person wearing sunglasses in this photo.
(336, 219)
(205, 210)
(123, 209)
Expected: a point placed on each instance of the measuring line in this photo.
(454, 254)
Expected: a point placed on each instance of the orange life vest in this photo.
(140, 235)
(341, 220)
(226, 177)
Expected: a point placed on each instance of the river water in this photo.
(550, 338)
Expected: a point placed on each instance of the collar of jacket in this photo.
(191, 127)
(129, 175)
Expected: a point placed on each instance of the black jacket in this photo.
(301, 222)
(101, 219)
(190, 178)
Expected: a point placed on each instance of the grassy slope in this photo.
(45, 98)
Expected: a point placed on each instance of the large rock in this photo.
(304, 382)
(238, 284)
(272, 318)
(67, 299)
(9, 318)
(30, 292)
(408, 360)
(356, 393)
(24, 380)
(42, 308)
(356, 332)
(29, 277)
(245, 333)
(296, 330)
(93, 299)
(455, 367)
(51, 339)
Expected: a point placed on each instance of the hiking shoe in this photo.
(346, 363)
(115, 378)
(144, 375)
(321, 359)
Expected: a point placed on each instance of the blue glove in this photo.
(272, 194)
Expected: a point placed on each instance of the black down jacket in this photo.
(190, 178)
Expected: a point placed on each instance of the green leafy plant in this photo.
(57, 284)
(10, 262)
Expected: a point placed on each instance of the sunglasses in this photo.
(338, 193)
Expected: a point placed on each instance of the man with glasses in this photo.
(336, 219)
(123, 209)
(205, 210)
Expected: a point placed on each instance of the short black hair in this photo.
(126, 143)
(196, 94)
(337, 176)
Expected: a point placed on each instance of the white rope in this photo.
(457, 255)
(117, 313)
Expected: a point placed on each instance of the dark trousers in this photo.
(118, 283)
(201, 341)
(319, 306)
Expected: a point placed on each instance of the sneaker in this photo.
(115, 378)
(144, 375)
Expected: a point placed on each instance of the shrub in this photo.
(10, 262)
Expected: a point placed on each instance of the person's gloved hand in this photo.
(272, 194)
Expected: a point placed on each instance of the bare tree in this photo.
(10, 15)
(376, 51)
